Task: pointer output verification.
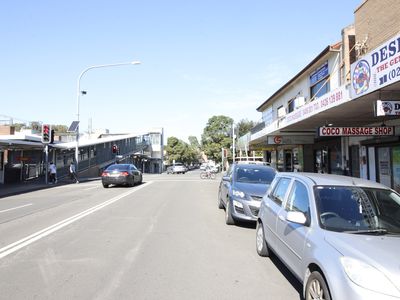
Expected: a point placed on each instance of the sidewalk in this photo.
(34, 185)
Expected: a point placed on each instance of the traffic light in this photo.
(115, 149)
(46, 133)
(52, 136)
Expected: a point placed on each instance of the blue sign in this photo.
(319, 74)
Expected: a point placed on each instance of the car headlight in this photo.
(237, 204)
(237, 193)
(368, 277)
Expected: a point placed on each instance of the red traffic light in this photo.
(46, 133)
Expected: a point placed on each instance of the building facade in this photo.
(325, 118)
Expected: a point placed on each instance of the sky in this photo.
(198, 59)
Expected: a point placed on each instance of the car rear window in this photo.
(118, 167)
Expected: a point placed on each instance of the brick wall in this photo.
(377, 19)
(7, 130)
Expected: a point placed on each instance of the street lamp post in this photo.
(78, 94)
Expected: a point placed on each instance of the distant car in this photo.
(340, 236)
(241, 190)
(121, 174)
(177, 169)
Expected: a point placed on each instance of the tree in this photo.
(179, 151)
(243, 127)
(60, 128)
(217, 135)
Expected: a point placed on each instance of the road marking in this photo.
(1, 211)
(53, 228)
(91, 188)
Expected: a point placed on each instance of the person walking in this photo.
(53, 173)
(72, 172)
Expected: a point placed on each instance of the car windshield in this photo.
(358, 210)
(255, 175)
(121, 167)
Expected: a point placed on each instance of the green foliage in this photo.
(243, 127)
(180, 151)
(60, 128)
(217, 135)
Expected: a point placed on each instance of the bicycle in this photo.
(207, 175)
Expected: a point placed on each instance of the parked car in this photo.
(177, 169)
(340, 236)
(121, 174)
(241, 190)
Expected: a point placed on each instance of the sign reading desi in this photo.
(387, 108)
(376, 69)
(356, 131)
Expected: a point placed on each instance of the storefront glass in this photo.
(396, 168)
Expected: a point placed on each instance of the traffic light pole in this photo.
(46, 150)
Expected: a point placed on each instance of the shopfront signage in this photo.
(327, 101)
(356, 131)
(387, 108)
(290, 139)
(376, 69)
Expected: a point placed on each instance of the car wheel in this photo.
(228, 215)
(105, 185)
(261, 243)
(317, 288)
(220, 204)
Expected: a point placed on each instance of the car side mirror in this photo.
(226, 178)
(296, 217)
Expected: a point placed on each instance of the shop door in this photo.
(355, 161)
(371, 164)
(1, 167)
(321, 161)
(288, 161)
(384, 172)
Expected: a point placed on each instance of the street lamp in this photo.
(78, 94)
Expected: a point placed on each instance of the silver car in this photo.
(340, 236)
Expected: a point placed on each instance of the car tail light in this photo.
(104, 174)
(124, 173)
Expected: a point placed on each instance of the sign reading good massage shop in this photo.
(376, 69)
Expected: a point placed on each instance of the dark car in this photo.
(121, 174)
(241, 191)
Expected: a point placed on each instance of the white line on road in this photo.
(53, 228)
(1, 211)
(91, 188)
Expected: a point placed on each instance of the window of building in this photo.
(291, 105)
(320, 88)
(281, 111)
(319, 81)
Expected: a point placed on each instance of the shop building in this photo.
(328, 117)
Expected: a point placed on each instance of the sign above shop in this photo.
(323, 103)
(387, 108)
(376, 69)
(290, 139)
(356, 131)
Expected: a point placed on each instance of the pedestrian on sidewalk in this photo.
(53, 173)
(72, 172)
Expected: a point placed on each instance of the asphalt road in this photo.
(164, 239)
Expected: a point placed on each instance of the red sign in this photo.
(356, 131)
(277, 139)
